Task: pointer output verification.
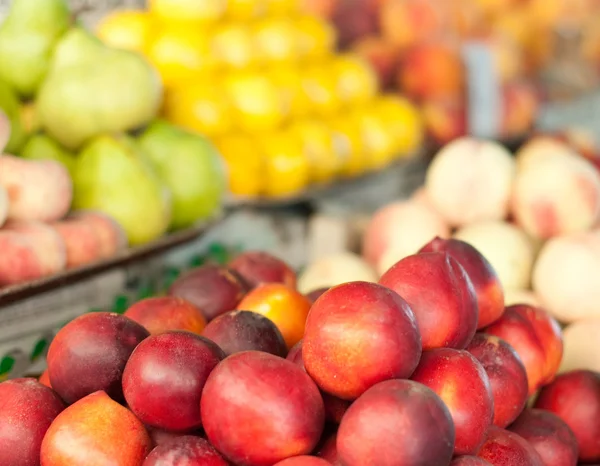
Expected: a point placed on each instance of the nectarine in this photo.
(163, 313)
(504, 448)
(185, 451)
(257, 267)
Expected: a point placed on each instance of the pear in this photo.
(42, 147)
(112, 175)
(11, 107)
(92, 89)
(191, 167)
(27, 39)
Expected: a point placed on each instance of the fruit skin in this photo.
(469, 461)
(110, 233)
(238, 331)
(537, 339)
(82, 96)
(441, 296)
(274, 406)
(164, 313)
(89, 354)
(164, 378)
(45, 379)
(304, 461)
(19, 261)
(490, 296)
(28, 36)
(11, 108)
(507, 375)
(42, 147)
(551, 437)
(185, 451)
(396, 423)
(358, 334)
(284, 306)
(462, 383)
(95, 431)
(504, 448)
(575, 398)
(126, 29)
(211, 288)
(27, 408)
(81, 241)
(257, 267)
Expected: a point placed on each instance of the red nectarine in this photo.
(163, 313)
(185, 451)
(257, 267)
(504, 448)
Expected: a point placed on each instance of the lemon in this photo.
(378, 142)
(289, 81)
(187, 11)
(245, 165)
(349, 145)
(317, 38)
(319, 84)
(243, 10)
(282, 7)
(404, 121)
(126, 29)
(356, 81)
(232, 46)
(276, 40)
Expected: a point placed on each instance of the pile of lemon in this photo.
(264, 82)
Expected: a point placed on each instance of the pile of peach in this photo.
(416, 47)
(426, 367)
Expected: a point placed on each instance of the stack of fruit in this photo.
(71, 99)
(426, 367)
(263, 81)
(416, 47)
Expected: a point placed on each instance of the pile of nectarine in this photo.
(236, 367)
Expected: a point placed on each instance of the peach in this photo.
(404, 23)
(47, 243)
(212, 289)
(396, 423)
(335, 269)
(556, 195)
(257, 267)
(430, 71)
(238, 331)
(358, 334)
(507, 248)
(506, 373)
(3, 205)
(18, 261)
(304, 461)
(284, 306)
(536, 337)
(504, 448)
(440, 294)
(554, 441)
(541, 148)
(402, 227)
(37, 189)
(575, 398)
(89, 354)
(45, 379)
(469, 461)
(463, 385)
(470, 180)
(110, 233)
(382, 56)
(520, 108)
(569, 296)
(274, 407)
(81, 240)
(163, 313)
(185, 451)
(445, 118)
(316, 294)
(95, 431)
(164, 378)
(27, 408)
(581, 345)
(490, 296)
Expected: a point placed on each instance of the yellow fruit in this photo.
(243, 10)
(318, 146)
(348, 143)
(378, 142)
(356, 81)
(282, 7)
(276, 40)
(245, 165)
(126, 29)
(232, 46)
(320, 87)
(180, 54)
(404, 122)
(286, 166)
(258, 104)
(288, 80)
(187, 11)
(317, 38)
(199, 106)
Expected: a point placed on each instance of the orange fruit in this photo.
(126, 29)
(232, 46)
(285, 307)
(244, 164)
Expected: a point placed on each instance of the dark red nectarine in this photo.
(272, 405)
(358, 334)
(160, 436)
(89, 354)
(504, 448)
(237, 331)
(396, 423)
(27, 408)
(164, 377)
(316, 294)
(187, 450)
(304, 461)
(257, 267)
(328, 449)
(164, 313)
(461, 382)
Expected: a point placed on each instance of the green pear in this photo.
(92, 89)
(114, 176)
(27, 39)
(11, 107)
(42, 147)
(191, 167)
